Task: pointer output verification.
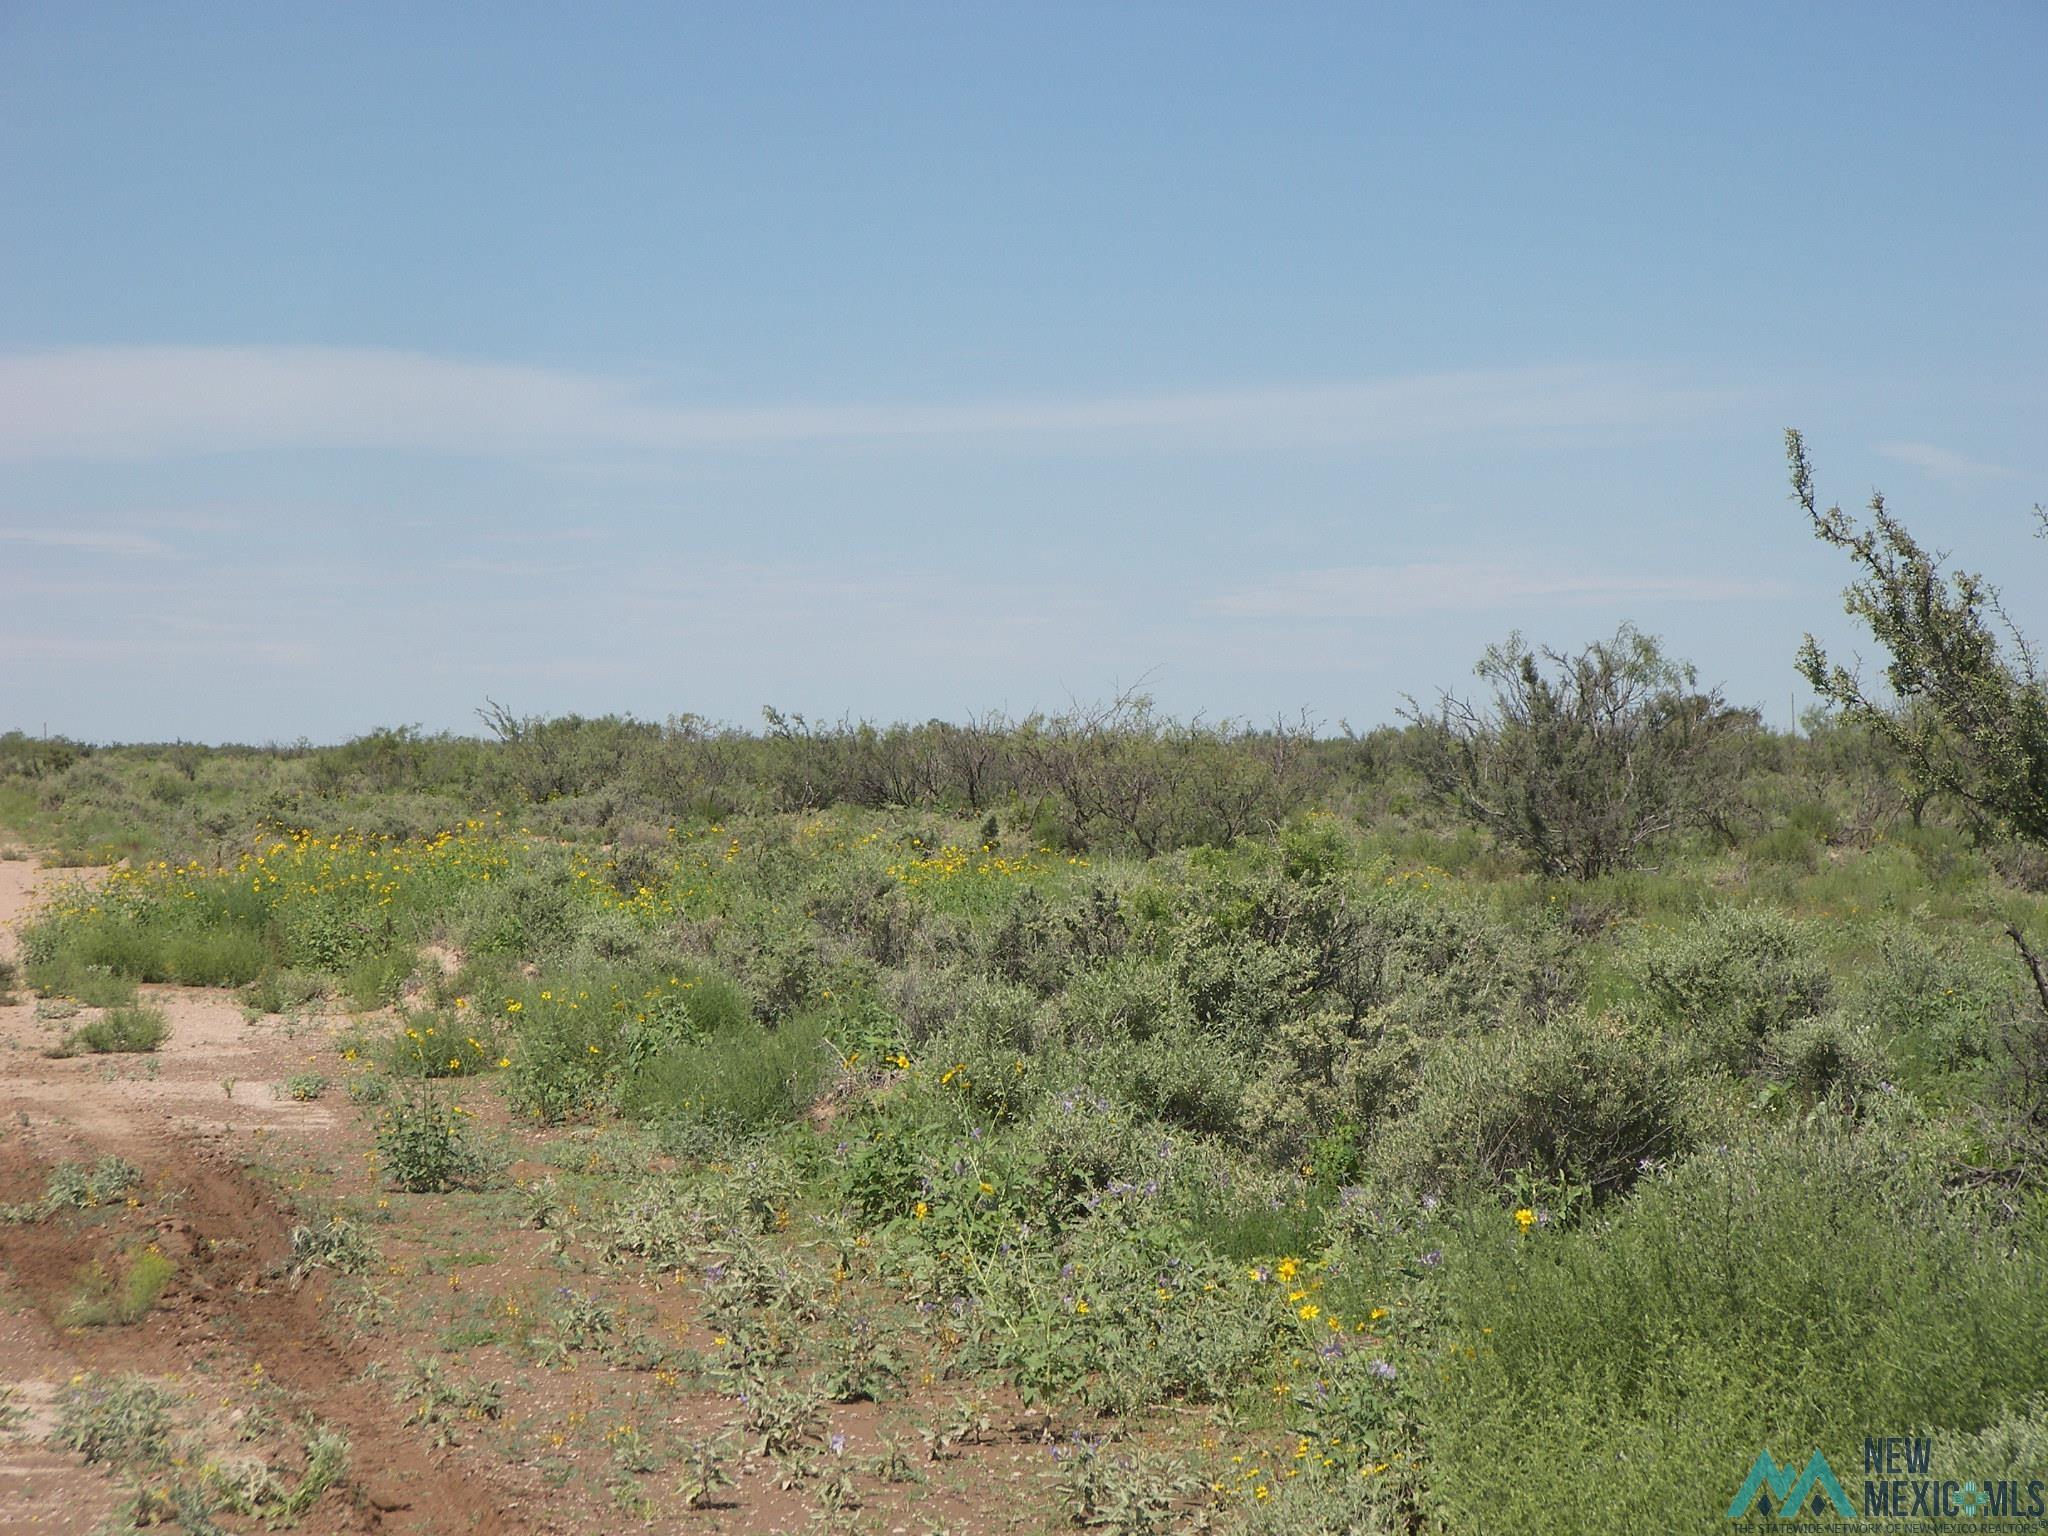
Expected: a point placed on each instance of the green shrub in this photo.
(608, 936)
(776, 959)
(440, 1043)
(1179, 1076)
(377, 980)
(1733, 976)
(992, 1056)
(424, 1145)
(1583, 763)
(1963, 708)
(1788, 846)
(1792, 1291)
(529, 913)
(1078, 1142)
(118, 1420)
(337, 1244)
(2013, 1446)
(131, 1029)
(1942, 1003)
(1250, 1214)
(1823, 1058)
(62, 974)
(1315, 1077)
(1580, 1099)
(214, 957)
(1029, 945)
(562, 1064)
(577, 1035)
(1128, 998)
(104, 1297)
(75, 1187)
(120, 945)
(1797, 841)
(745, 1077)
(282, 991)
(327, 935)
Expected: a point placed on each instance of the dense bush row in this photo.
(1608, 760)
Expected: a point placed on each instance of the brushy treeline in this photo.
(1120, 778)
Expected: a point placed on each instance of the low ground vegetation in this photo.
(1164, 1078)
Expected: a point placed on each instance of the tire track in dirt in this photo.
(229, 1237)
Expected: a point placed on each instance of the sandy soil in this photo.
(187, 1116)
(223, 1159)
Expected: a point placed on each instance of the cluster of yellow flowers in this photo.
(951, 861)
(1299, 1290)
(1428, 877)
(303, 865)
(1256, 1481)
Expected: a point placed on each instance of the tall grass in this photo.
(1807, 1289)
(741, 1077)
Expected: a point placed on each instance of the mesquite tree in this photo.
(1968, 712)
(1588, 764)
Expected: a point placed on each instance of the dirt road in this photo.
(230, 1334)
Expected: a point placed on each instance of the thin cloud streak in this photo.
(1449, 586)
(92, 541)
(1943, 464)
(145, 402)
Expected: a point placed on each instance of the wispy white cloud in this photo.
(101, 541)
(581, 535)
(1942, 464)
(141, 402)
(1456, 586)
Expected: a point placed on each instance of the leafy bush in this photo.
(75, 1187)
(560, 1066)
(1789, 846)
(1180, 1076)
(1317, 1077)
(129, 1029)
(529, 913)
(119, 1296)
(423, 1144)
(1823, 1058)
(1076, 1143)
(1944, 1004)
(337, 1244)
(1580, 1099)
(746, 1079)
(1968, 713)
(119, 1420)
(992, 1056)
(214, 957)
(1586, 769)
(440, 1043)
(282, 991)
(54, 970)
(378, 980)
(1735, 975)
(1793, 1290)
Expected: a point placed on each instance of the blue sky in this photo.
(358, 363)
